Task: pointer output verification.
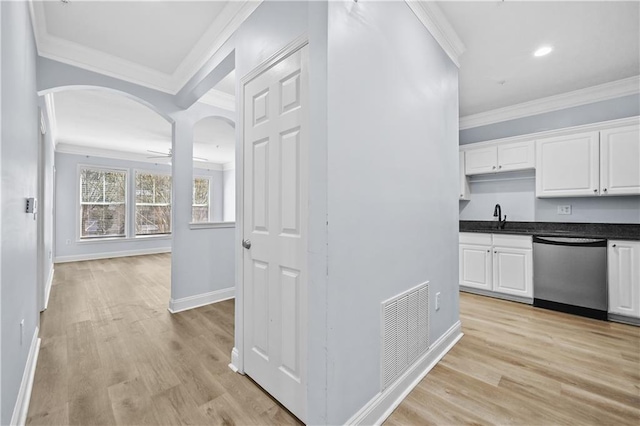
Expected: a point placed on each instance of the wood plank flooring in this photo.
(522, 365)
(112, 354)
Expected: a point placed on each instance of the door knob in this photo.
(246, 244)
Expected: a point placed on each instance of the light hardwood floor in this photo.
(522, 365)
(112, 354)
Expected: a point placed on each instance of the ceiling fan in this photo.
(170, 154)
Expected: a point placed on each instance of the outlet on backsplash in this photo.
(564, 209)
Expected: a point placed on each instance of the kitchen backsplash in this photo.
(516, 196)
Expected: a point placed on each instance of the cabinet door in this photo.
(475, 266)
(516, 156)
(568, 166)
(464, 183)
(623, 266)
(620, 161)
(512, 271)
(481, 160)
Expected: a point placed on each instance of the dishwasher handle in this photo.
(572, 242)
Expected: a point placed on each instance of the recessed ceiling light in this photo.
(544, 50)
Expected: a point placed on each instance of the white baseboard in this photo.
(109, 255)
(382, 405)
(235, 357)
(179, 305)
(47, 289)
(19, 416)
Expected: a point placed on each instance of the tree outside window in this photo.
(200, 211)
(153, 204)
(102, 203)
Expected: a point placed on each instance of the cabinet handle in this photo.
(461, 195)
(495, 252)
(605, 190)
(494, 167)
(614, 246)
(488, 251)
(499, 167)
(595, 190)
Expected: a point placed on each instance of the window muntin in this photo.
(201, 205)
(102, 203)
(153, 204)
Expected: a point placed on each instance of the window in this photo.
(102, 203)
(153, 204)
(200, 208)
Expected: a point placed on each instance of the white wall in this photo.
(68, 246)
(392, 185)
(18, 255)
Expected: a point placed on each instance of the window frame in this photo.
(79, 203)
(134, 205)
(210, 192)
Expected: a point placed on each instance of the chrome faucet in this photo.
(497, 212)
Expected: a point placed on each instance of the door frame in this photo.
(237, 353)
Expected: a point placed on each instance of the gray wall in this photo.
(229, 196)
(517, 197)
(392, 185)
(627, 106)
(18, 263)
(67, 227)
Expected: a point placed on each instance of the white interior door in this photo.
(275, 223)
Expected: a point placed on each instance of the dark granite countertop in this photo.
(610, 231)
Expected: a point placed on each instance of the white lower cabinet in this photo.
(475, 266)
(498, 263)
(623, 265)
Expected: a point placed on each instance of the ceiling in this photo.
(593, 42)
(93, 120)
(161, 44)
(157, 44)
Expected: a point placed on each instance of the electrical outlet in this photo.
(564, 209)
(437, 301)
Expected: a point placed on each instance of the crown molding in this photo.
(601, 92)
(431, 16)
(68, 52)
(219, 99)
(70, 148)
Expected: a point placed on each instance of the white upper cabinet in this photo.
(620, 161)
(464, 183)
(481, 160)
(516, 156)
(568, 166)
(502, 157)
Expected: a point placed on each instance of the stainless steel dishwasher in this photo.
(570, 275)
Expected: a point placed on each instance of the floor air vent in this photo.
(405, 331)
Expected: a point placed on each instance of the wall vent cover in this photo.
(405, 331)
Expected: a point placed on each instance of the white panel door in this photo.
(623, 265)
(481, 160)
(275, 223)
(512, 271)
(620, 161)
(568, 166)
(475, 266)
(516, 156)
